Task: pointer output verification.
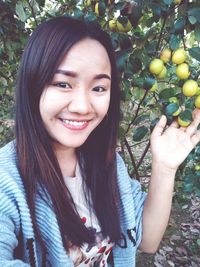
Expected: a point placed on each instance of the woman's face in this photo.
(77, 100)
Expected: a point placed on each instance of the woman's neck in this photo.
(67, 160)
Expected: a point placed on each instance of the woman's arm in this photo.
(169, 148)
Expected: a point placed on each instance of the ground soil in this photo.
(180, 246)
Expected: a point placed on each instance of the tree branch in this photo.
(132, 159)
(137, 111)
(33, 12)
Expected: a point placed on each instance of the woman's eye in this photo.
(62, 85)
(99, 89)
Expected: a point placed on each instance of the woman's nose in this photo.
(80, 103)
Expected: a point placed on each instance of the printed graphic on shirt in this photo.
(93, 254)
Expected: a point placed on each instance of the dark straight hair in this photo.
(36, 159)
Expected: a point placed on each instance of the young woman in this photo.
(65, 195)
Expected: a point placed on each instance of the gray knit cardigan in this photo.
(16, 228)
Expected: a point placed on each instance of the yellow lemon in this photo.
(156, 66)
(177, 2)
(179, 56)
(88, 2)
(182, 71)
(154, 87)
(96, 8)
(165, 55)
(100, 8)
(197, 101)
(163, 73)
(173, 99)
(183, 123)
(177, 112)
(197, 167)
(190, 88)
(112, 24)
(198, 91)
(124, 27)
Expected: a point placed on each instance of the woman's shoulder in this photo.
(123, 175)
(8, 167)
(7, 152)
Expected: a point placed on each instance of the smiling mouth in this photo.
(75, 125)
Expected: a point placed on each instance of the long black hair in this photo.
(36, 159)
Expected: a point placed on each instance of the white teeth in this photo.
(75, 123)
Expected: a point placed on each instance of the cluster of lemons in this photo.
(116, 24)
(120, 24)
(190, 88)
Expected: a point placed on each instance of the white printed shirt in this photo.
(96, 253)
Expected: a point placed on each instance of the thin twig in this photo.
(132, 159)
(143, 155)
(33, 12)
(137, 111)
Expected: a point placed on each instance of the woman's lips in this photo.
(75, 124)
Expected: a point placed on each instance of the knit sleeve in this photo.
(133, 187)
(8, 229)
(139, 197)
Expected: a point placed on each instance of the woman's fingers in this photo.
(174, 124)
(195, 138)
(191, 129)
(159, 128)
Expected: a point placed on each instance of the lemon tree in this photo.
(158, 56)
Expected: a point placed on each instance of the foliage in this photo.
(140, 31)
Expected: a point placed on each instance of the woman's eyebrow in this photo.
(74, 74)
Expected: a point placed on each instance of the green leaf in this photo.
(192, 20)
(122, 20)
(169, 92)
(90, 16)
(171, 108)
(125, 41)
(168, 2)
(197, 33)
(153, 123)
(140, 133)
(179, 26)
(195, 52)
(186, 115)
(102, 8)
(188, 187)
(19, 9)
(78, 13)
(41, 2)
(195, 12)
(136, 65)
(174, 41)
(121, 60)
(149, 82)
(118, 6)
(141, 118)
